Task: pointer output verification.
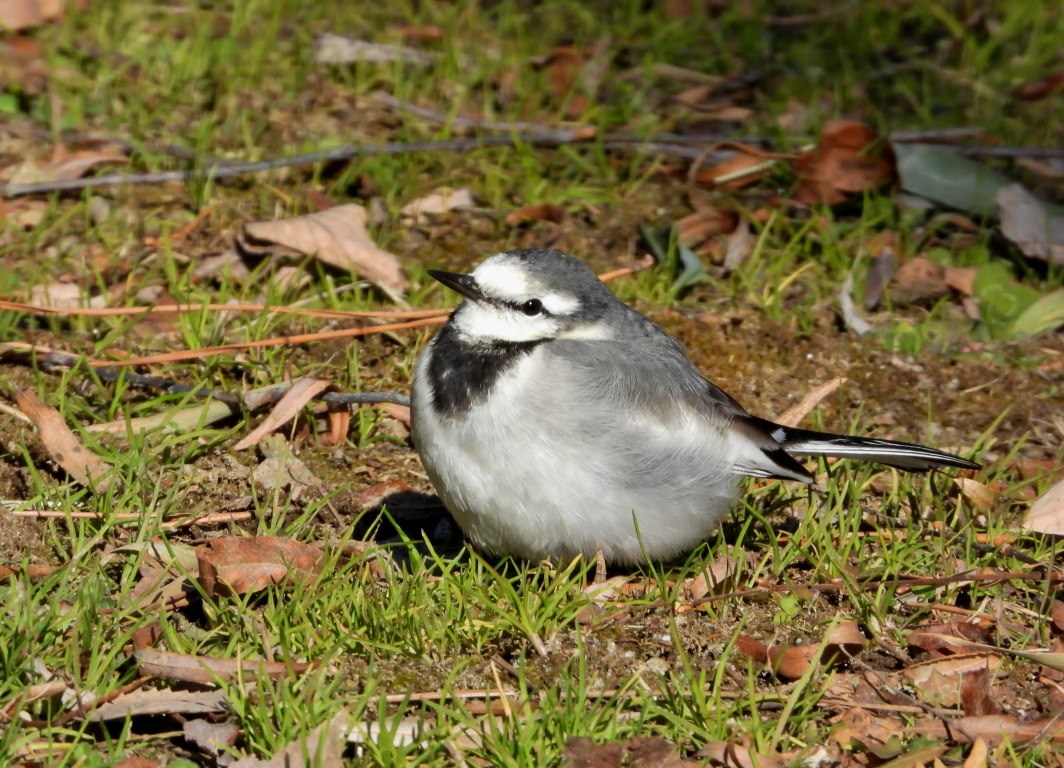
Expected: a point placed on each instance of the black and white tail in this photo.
(804, 442)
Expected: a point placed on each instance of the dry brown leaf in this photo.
(152, 701)
(721, 576)
(212, 738)
(564, 65)
(736, 172)
(238, 565)
(980, 496)
(62, 444)
(207, 669)
(849, 158)
(866, 729)
(919, 281)
(934, 638)
(538, 212)
(337, 236)
(322, 747)
(376, 495)
(842, 640)
(339, 423)
(789, 662)
(977, 757)
(23, 14)
(438, 202)
(63, 166)
(400, 413)
(740, 244)
(286, 409)
(730, 755)
(993, 729)
(706, 222)
(940, 681)
(975, 692)
(1046, 514)
(25, 212)
(136, 761)
(1039, 88)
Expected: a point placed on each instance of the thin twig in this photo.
(159, 309)
(542, 138)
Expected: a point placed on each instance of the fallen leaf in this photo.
(569, 68)
(706, 222)
(62, 166)
(64, 295)
(993, 729)
(160, 702)
(730, 755)
(1040, 87)
(211, 738)
(207, 669)
(62, 444)
(738, 171)
(400, 413)
(977, 757)
(1057, 615)
(136, 761)
(1036, 227)
(721, 576)
(438, 202)
(1046, 514)
(936, 638)
(975, 691)
(939, 682)
(336, 49)
(23, 14)
(538, 212)
(850, 157)
(337, 237)
(917, 758)
(287, 408)
(919, 281)
(842, 640)
(281, 469)
(980, 496)
(236, 565)
(24, 212)
(740, 244)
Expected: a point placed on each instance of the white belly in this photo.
(535, 477)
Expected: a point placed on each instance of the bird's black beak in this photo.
(464, 285)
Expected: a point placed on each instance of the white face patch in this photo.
(508, 283)
(490, 322)
(503, 279)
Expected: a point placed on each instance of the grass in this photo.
(238, 81)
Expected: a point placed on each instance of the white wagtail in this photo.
(555, 420)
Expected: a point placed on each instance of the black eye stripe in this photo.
(524, 308)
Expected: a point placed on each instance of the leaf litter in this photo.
(843, 166)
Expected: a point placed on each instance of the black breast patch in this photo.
(462, 374)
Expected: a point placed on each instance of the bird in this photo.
(555, 421)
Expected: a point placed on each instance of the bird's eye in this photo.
(532, 307)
